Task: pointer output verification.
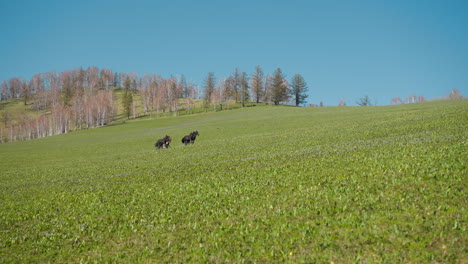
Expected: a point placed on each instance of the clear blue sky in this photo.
(343, 49)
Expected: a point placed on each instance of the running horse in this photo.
(190, 138)
(163, 142)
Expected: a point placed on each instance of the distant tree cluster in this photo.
(84, 98)
(454, 94)
(63, 102)
(408, 100)
(242, 88)
(364, 101)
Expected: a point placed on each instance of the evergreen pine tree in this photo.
(299, 89)
(236, 78)
(209, 88)
(244, 88)
(127, 99)
(279, 89)
(67, 94)
(257, 81)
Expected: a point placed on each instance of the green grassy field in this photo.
(260, 184)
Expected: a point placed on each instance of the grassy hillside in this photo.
(260, 184)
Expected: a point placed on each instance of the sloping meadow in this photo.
(260, 184)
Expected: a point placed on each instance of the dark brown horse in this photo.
(190, 138)
(163, 142)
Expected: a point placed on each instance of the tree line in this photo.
(60, 102)
(241, 88)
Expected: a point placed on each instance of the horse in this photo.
(190, 138)
(193, 136)
(163, 142)
(186, 139)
